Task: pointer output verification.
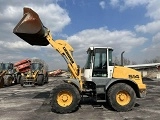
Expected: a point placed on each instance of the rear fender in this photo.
(129, 82)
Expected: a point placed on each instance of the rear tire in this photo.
(46, 78)
(65, 98)
(121, 97)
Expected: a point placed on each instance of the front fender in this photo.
(75, 82)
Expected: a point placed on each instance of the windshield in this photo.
(1, 67)
(36, 66)
(88, 62)
(6, 66)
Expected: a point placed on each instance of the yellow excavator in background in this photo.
(2, 74)
(116, 86)
(7, 71)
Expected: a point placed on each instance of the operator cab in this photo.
(99, 63)
(36, 66)
(8, 66)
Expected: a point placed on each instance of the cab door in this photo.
(100, 63)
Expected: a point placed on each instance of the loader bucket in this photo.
(31, 29)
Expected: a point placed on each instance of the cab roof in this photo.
(92, 48)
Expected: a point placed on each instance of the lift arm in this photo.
(2, 73)
(66, 51)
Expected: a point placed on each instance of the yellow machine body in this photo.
(129, 74)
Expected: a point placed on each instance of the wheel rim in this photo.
(64, 98)
(123, 98)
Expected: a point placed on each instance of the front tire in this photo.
(65, 98)
(8, 80)
(121, 97)
(18, 79)
(40, 80)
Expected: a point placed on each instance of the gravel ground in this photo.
(32, 103)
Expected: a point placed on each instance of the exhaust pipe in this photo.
(122, 60)
(31, 29)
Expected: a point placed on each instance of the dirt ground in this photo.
(32, 103)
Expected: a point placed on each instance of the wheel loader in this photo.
(116, 86)
(2, 79)
(31, 72)
(8, 73)
(2, 73)
(35, 76)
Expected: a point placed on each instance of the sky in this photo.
(132, 26)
